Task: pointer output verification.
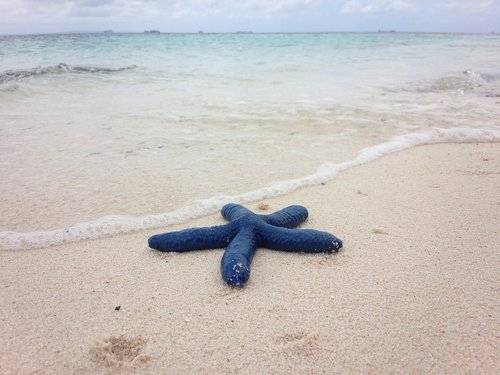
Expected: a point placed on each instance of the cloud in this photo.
(376, 6)
(464, 6)
(179, 8)
(278, 5)
(166, 7)
(258, 5)
(263, 15)
(379, 6)
(33, 8)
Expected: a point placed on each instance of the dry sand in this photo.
(415, 290)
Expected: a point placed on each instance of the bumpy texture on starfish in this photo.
(246, 232)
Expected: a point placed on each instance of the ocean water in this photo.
(101, 134)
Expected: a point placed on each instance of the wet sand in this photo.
(415, 289)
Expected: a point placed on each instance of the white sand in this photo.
(415, 290)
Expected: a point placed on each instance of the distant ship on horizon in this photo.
(151, 31)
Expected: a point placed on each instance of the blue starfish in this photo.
(246, 232)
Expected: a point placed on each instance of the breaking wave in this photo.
(115, 224)
(16, 75)
(462, 81)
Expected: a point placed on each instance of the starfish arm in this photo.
(288, 217)
(235, 263)
(194, 239)
(234, 211)
(300, 240)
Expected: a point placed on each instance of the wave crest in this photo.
(16, 75)
(463, 81)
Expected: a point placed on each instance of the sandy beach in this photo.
(415, 289)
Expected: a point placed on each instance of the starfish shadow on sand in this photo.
(245, 232)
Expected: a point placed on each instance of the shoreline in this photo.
(415, 288)
(110, 225)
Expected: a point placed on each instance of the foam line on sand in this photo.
(119, 224)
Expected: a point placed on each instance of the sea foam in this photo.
(117, 224)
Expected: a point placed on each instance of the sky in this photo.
(52, 16)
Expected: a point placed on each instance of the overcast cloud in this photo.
(32, 16)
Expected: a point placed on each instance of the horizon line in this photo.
(249, 32)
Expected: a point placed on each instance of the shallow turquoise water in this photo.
(136, 124)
